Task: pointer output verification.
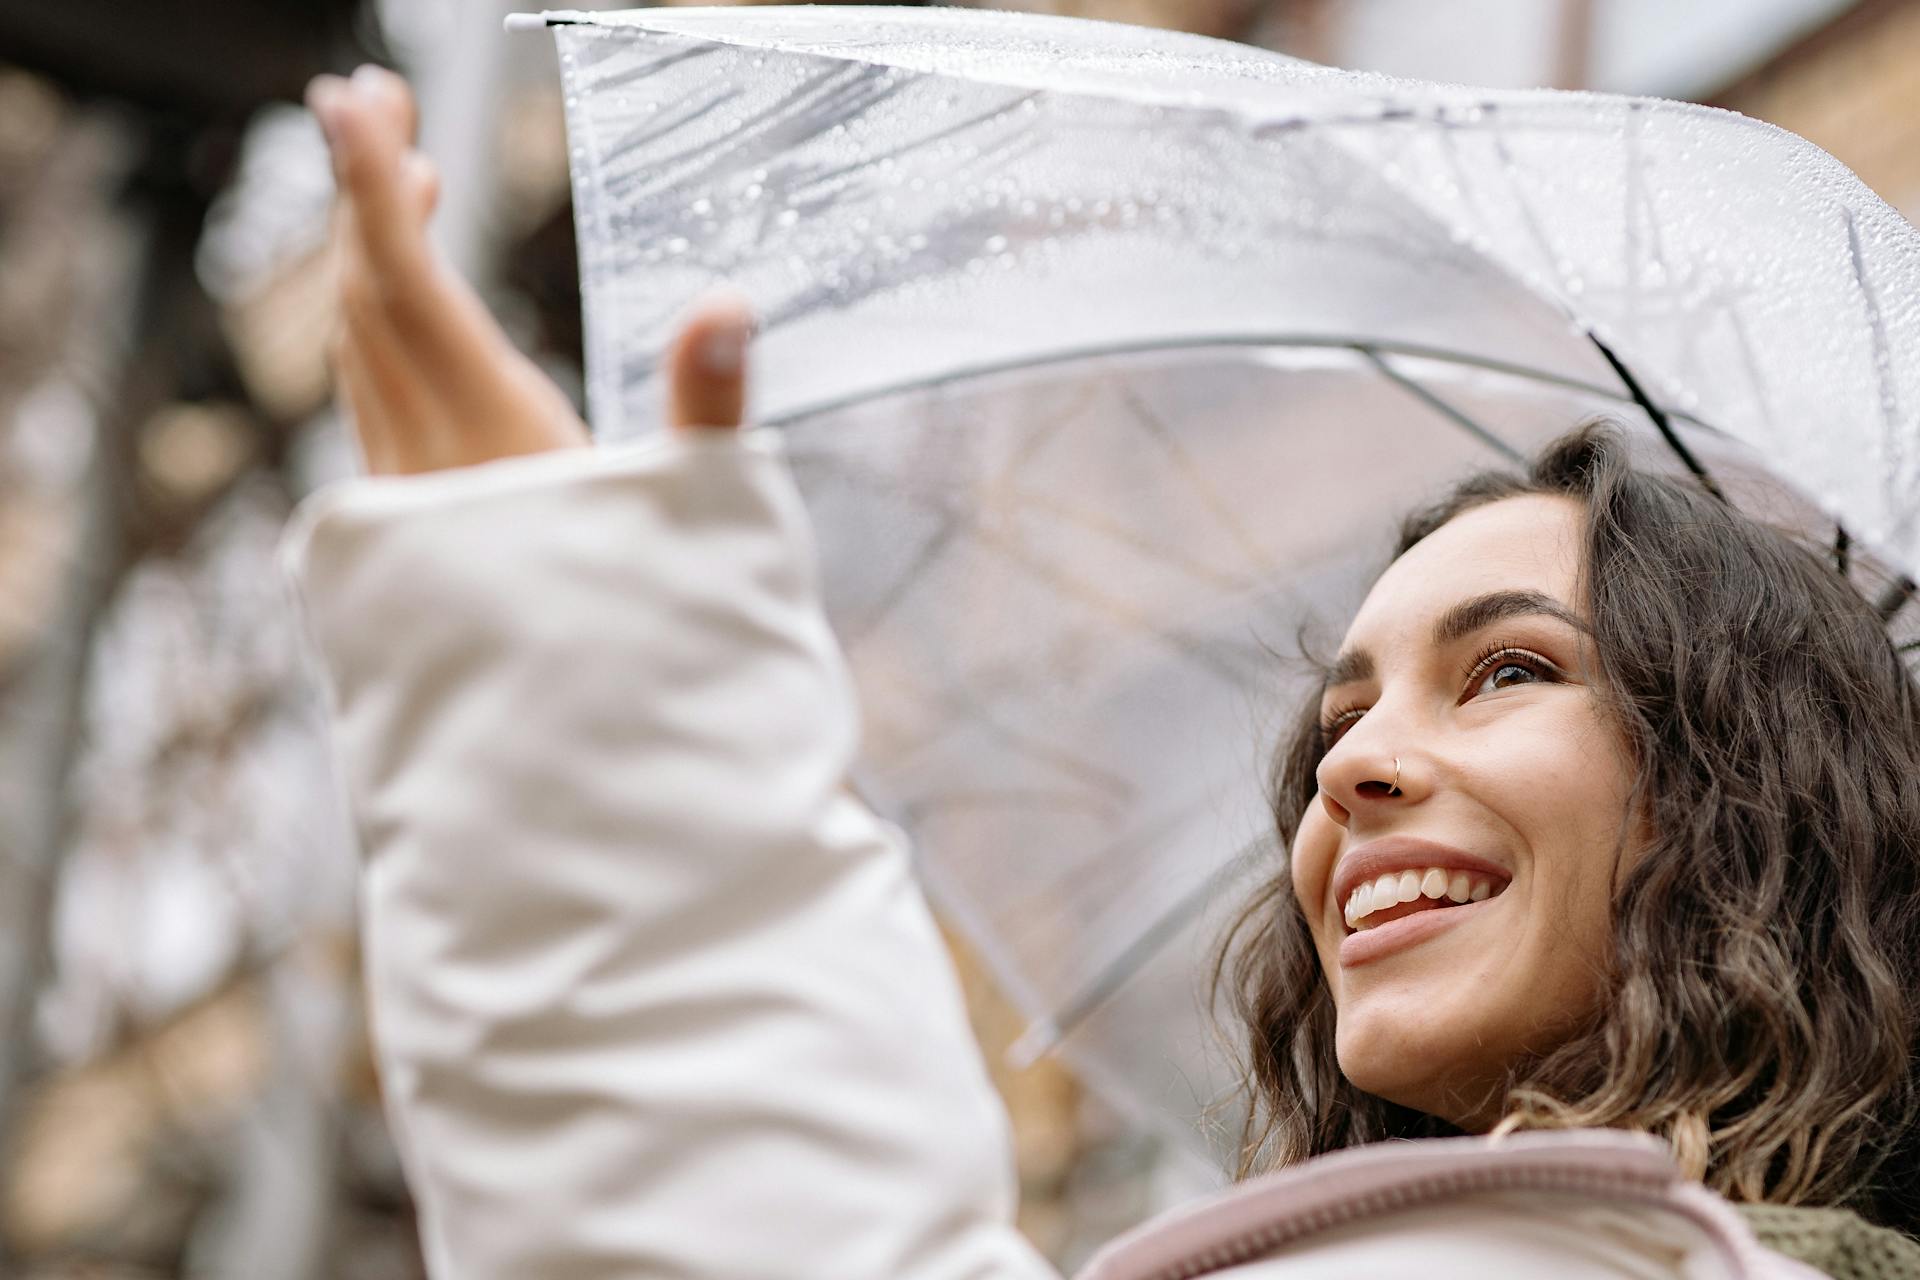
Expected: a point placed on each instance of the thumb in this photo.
(707, 369)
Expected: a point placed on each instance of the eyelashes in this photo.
(1333, 724)
(1487, 661)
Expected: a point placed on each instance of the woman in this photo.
(1688, 759)
(655, 995)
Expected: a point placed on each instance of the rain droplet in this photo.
(702, 207)
(996, 244)
(678, 245)
(788, 217)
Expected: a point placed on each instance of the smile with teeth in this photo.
(1369, 905)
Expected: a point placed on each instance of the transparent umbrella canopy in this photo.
(1109, 358)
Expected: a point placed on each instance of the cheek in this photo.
(1562, 775)
(1562, 785)
(1314, 846)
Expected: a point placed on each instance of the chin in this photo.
(1426, 1068)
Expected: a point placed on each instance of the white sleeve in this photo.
(653, 994)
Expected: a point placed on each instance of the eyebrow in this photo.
(1461, 621)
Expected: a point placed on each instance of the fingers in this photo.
(428, 375)
(369, 122)
(394, 99)
(423, 185)
(707, 366)
(388, 192)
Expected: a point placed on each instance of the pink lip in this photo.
(1383, 940)
(1406, 853)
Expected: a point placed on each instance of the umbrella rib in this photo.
(1021, 364)
(1891, 601)
(1876, 326)
(1660, 419)
(1440, 406)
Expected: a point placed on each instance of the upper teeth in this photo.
(1396, 887)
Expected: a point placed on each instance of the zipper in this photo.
(1348, 1186)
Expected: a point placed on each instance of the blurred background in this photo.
(186, 1087)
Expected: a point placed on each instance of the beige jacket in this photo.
(655, 996)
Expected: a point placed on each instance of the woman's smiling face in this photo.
(1468, 665)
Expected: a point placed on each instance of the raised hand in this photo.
(430, 380)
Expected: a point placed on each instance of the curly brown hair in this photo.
(1762, 1003)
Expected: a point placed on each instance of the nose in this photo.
(1365, 773)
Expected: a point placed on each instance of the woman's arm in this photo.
(653, 994)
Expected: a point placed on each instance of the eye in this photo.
(1335, 723)
(1503, 666)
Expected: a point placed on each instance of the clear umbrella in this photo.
(1107, 357)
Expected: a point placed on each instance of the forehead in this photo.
(1528, 543)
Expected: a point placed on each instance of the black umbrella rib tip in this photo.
(1891, 601)
(1659, 417)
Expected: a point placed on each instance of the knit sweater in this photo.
(1838, 1242)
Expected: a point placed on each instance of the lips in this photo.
(1368, 862)
(1409, 853)
(1384, 940)
(1389, 897)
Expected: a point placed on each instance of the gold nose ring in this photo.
(1394, 790)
